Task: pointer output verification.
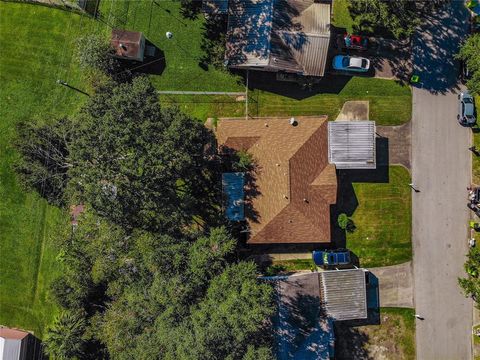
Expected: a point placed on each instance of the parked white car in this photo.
(466, 109)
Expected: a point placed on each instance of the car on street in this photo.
(351, 63)
(331, 258)
(466, 109)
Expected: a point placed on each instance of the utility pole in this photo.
(64, 83)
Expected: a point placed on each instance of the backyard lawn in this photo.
(390, 103)
(393, 338)
(39, 54)
(383, 221)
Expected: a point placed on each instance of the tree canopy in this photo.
(399, 17)
(154, 296)
(141, 279)
(43, 164)
(470, 53)
(140, 165)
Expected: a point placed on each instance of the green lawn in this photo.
(383, 221)
(36, 44)
(341, 15)
(390, 103)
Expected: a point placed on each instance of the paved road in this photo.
(395, 285)
(441, 168)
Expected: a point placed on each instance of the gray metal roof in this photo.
(279, 35)
(351, 144)
(344, 294)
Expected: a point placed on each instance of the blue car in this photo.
(351, 63)
(331, 258)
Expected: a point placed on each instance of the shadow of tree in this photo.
(190, 8)
(347, 201)
(230, 157)
(350, 343)
(438, 38)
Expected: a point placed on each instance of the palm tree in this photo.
(64, 338)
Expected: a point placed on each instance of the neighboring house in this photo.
(293, 185)
(351, 144)
(279, 35)
(128, 45)
(15, 344)
(308, 306)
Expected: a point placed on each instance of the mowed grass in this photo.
(36, 43)
(390, 103)
(341, 15)
(383, 220)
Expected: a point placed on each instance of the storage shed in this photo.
(129, 45)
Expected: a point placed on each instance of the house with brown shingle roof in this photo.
(294, 184)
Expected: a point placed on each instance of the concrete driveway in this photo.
(441, 170)
(395, 285)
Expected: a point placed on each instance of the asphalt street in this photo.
(441, 171)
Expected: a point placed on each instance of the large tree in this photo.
(64, 340)
(399, 17)
(146, 295)
(471, 284)
(470, 53)
(44, 163)
(138, 164)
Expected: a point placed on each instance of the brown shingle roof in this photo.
(294, 182)
(128, 44)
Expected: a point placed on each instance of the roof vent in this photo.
(293, 121)
(266, 124)
(123, 46)
(285, 196)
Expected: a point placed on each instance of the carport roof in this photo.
(344, 294)
(351, 144)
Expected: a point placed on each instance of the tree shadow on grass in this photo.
(267, 81)
(347, 201)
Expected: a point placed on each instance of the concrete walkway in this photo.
(395, 285)
(354, 110)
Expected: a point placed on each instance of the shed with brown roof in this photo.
(128, 45)
(293, 186)
(13, 344)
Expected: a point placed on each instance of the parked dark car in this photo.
(331, 258)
